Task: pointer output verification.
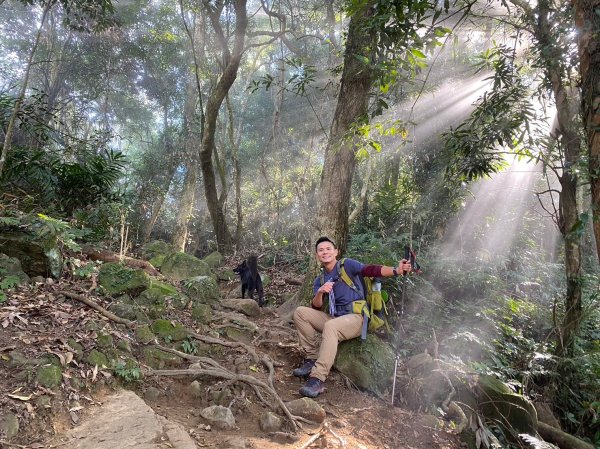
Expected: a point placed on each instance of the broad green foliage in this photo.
(503, 119)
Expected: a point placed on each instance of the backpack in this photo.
(372, 308)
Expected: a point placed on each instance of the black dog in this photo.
(251, 281)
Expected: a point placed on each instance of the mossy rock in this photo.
(202, 290)
(49, 376)
(118, 279)
(226, 274)
(202, 313)
(165, 288)
(180, 266)
(158, 260)
(369, 364)
(143, 334)
(159, 359)
(9, 425)
(124, 345)
(77, 348)
(96, 357)
(214, 259)
(156, 311)
(39, 256)
(11, 266)
(514, 413)
(167, 331)
(127, 311)
(104, 341)
(157, 248)
(238, 334)
(160, 293)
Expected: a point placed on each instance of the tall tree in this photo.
(587, 20)
(351, 111)
(230, 60)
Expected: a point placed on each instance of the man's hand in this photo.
(404, 266)
(326, 287)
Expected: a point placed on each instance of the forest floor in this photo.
(37, 320)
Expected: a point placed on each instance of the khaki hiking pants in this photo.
(310, 321)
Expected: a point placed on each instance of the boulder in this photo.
(202, 313)
(11, 266)
(306, 408)
(219, 417)
(49, 376)
(157, 248)
(248, 307)
(118, 279)
(213, 260)
(159, 359)
(202, 290)
(9, 425)
(369, 364)
(180, 266)
(270, 422)
(39, 256)
(165, 330)
(514, 413)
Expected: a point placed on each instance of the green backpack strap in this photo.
(345, 276)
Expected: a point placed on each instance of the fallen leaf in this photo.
(74, 417)
(20, 398)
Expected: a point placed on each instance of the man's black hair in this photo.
(324, 239)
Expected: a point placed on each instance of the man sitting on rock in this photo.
(339, 322)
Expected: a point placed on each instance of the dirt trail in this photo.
(80, 412)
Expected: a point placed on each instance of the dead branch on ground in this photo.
(109, 256)
(98, 308)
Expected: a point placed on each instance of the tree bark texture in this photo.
(351, 109)
(231, 63)
(587, 20)
(568, 213)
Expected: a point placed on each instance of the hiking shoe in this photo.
(313, 388)
(305, 369)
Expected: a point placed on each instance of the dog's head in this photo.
(241, 268)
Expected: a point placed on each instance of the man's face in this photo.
(326, 252)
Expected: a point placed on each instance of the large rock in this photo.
(39, 256)
(202, 290)
(213, 260)
(157, 248)
(514, 413)
(9, 424)
(306, 408)
(180, 266)
(369, 365)
(11, 266)
(219, 416)
(125, 421)
(118, 279)
(248, 307)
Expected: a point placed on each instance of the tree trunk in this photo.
(340, 159)
(351, 110)
(587, 21)
(17, 106)
(170, 172)
(186, 203)
(568, 213)
(231, 65)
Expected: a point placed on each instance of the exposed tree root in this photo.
(97, 307)
(213, 369)
(229, 344)
(109, 256)
(326, 428)
(560, 438)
